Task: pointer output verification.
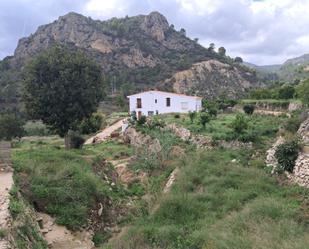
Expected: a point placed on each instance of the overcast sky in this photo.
(260, 31)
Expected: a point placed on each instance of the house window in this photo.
(168, 101)
(156, 101)
(184, 105)
(157, 112)
(139, 103)
(150, 113)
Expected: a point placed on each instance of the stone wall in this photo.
(301, 169)
(139, 140)
(202, 141)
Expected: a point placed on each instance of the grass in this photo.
(24, 229)
(220, 204)
(61, 182)
(263, 127)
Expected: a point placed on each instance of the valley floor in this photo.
(218, 199)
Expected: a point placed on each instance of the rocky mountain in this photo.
(144, 51)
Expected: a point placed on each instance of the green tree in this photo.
(287, 153)
(286, 92)
(222, 51)
(249, 109)
(204, 119)
(240, 123)
(211, 47)
(10, 126)
(302, 91)
(62, 88)
(238, 59)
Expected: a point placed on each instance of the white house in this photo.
(156, 102)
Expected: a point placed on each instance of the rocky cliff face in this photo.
(142, 50)
(212, 78)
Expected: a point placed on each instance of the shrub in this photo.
(176, 115)
(74, 140)
(213, 111)
(192, 116)
(10, 126)
(240, 123)
(142, 120)
(287, 154)
(249, 109)
(204, 119)
(302, 91)
(286, 92)
(3, 233)
(100, 237)
(91, 125)
(36, 128)
(16, 207)
(292, 124)
(155, 123)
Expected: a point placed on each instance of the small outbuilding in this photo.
(157, 102)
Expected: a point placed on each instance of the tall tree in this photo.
(222, 51)
(302, 91)
(238, 59)
(211, 47)
(62, 87)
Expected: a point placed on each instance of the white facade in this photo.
(156, 102)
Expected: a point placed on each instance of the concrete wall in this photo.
(156, 102)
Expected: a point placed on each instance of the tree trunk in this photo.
(67, 141)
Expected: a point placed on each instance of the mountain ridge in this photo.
(144, 51)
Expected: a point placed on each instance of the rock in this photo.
(100, 211)
(155, 25)
(44, 231)
(115, 134)
(271, 160)
(203, 77)
(294, 106)
(234, 161)
(177, 151)
(139, 140)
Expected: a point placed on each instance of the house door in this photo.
(139, 114)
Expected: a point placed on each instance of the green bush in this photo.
(16, 207)
(213, 111)
(292, 124)
(177, 115)
(155, 122)
(100, 237)
(204, 119)
(192, 116)
(91, 125)
(249, 109)
(240, 123)
(3, 233)
(36, 128)
(11, 126)
(141, 121)
(287, 154)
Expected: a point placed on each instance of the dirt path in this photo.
(6, 182)
(59, 237)
(101, 136)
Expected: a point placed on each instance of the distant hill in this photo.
(143, 51)
(292, 69)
